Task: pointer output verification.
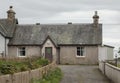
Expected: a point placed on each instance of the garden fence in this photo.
(27, 76)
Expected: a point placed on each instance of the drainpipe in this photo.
(5, 47)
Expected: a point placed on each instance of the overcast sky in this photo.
(64, 11)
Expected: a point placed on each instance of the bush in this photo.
(24, 68)
(12, 66)
(33, 65)
(8, 69)
(42, 62)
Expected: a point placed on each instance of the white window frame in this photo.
(82, 51)
(18, 51)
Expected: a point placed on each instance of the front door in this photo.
(48, 53)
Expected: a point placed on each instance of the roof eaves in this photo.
(109, 46)
(78, 44)
(24, 44)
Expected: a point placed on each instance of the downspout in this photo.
(59, 55)
(5, 47)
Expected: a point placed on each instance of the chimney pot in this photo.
(11, 7)
(11, 13)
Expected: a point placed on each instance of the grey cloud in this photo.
(68, 5)
(49, 11)
(48, 8)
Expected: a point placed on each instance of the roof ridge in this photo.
(55, 24)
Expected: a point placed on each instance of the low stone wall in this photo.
(112, 72)
(27, 76)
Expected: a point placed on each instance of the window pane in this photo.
(80, 51)
(22, 51)
(78, 48)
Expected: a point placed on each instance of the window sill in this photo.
(21, 56)
(80, 56)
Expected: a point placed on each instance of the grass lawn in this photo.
(54, 76)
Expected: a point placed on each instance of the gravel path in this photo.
(82, 74)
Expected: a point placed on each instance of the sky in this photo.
(64, 11)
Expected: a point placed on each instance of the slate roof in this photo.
(3, 30)
(7, 27)
(60, 34)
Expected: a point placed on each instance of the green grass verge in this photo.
(54, 76)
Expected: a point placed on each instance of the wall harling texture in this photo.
(48, 43)
(33, 50)
(30, 51)
(68, 55)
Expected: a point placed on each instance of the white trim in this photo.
(18, 54)
(84, 53)
(80, 56)
(22, 56)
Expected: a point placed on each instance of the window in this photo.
(21, 51)
(80, 51)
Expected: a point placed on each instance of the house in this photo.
(7, 28)
(64, 43)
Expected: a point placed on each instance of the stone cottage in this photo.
(65, 43)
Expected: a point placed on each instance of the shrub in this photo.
(24, 68)
(42, 62)
(8, 68)
(33, 65)
(12, 66)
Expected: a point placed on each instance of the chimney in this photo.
(69, 22)
(37, 23)
(95, 18)
(11, 13)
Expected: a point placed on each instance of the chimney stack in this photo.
(11, 13)
(95, 18)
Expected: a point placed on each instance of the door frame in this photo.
(50, 59)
